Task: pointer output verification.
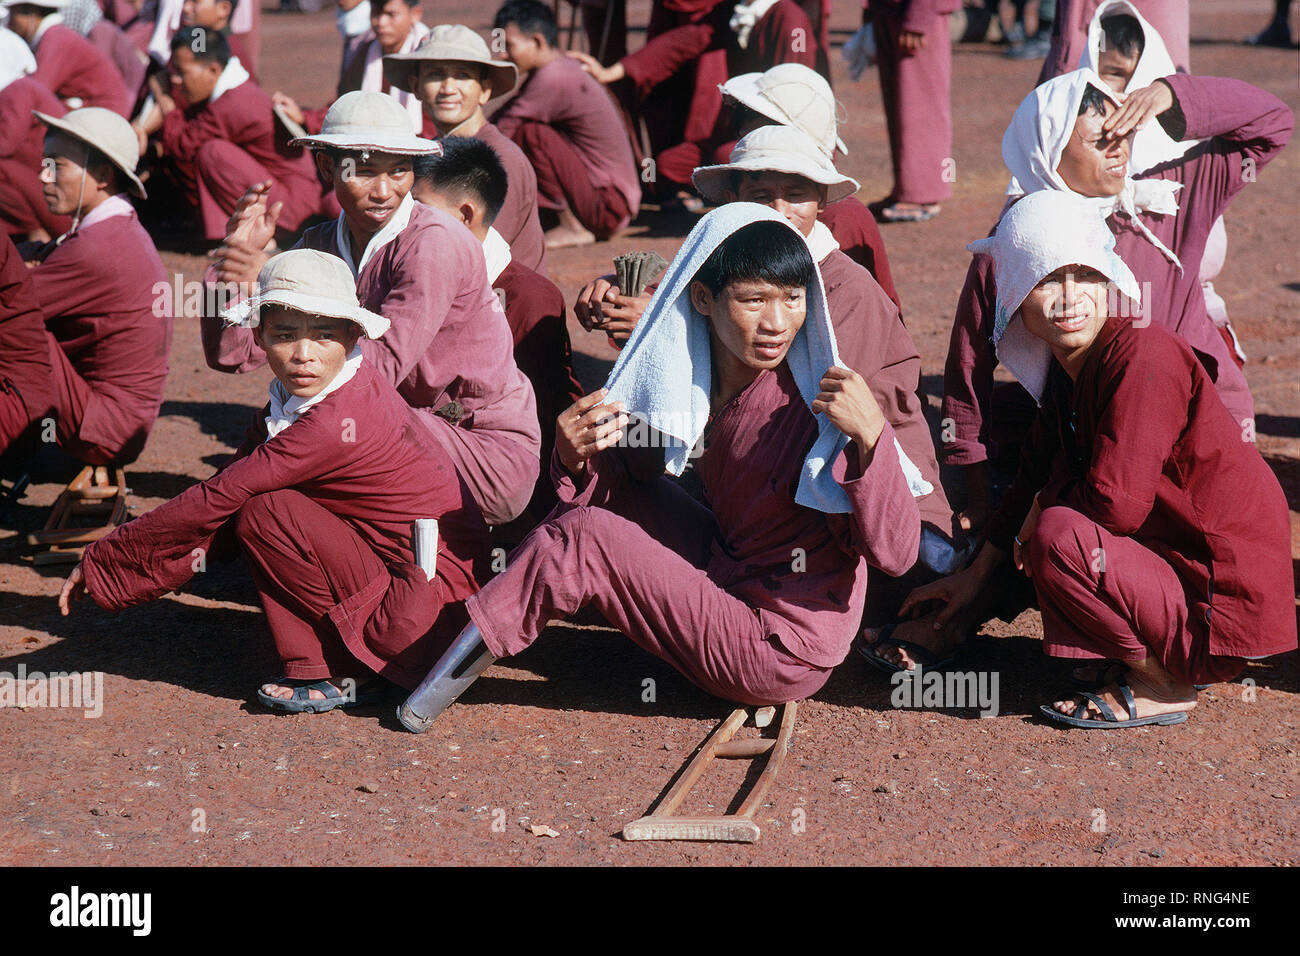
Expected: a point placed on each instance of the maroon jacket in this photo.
(70, 65)
(1245, 128)
(855, 229)
(244, 116)
(362, 454)
(873, 341)
(1141, 444)
(25, 358)
(99, 291)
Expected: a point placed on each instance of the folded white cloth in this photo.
(232, 75)
(1151, 145)
(1038, 133)
(746, 16)
(1029, 245)
(16, 57)
(663, 375)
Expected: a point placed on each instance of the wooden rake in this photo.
(738, 827)
(61, 541)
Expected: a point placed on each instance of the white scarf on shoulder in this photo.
(286, 408)
(746, 16)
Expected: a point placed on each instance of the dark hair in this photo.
(1094, 100)
(764, 251)
(384, 3)
(528, 16)
(209, 46)
(467, 165)
(1124, 34)
(234, 5)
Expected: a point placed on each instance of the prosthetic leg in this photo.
(459, 667)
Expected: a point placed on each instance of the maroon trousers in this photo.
(314, 573)
(918, 110)
(1107, 596)
(223, 173)
(642, 565)
(564, 181)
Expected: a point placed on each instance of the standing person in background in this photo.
(914, 54)
(1278, 31)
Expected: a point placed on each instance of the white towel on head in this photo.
(1152, 145)
(663, 375)
(1041, 233)
(1038, 134)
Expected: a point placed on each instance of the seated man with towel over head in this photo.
(759, 598)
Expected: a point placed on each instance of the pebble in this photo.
(890, 787)
(369, 788)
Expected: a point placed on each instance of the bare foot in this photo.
(285, 691)
(570, 232)
(1150, 701)
(1099, 672)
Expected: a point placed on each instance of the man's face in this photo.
(304, 351)
(451, 92)
(522, 49)
(1091, 165)
(1067, 309)
(392, 22)
(368, 186)
(754, 320)
(24, 20)
(196, 78)
(1116, 69)
(794, 197)
(62, 170)
(209, 14)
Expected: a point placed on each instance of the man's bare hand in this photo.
(603, 74)
(289, 105)
(1021, 544)
(910, 42)
(239, 263)
(73, 589)
(601, 306)
(253, 222)
(847, 401)
(1138, 109)
(587, 427)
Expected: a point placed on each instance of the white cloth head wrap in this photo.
(1038, 134)
(1152, 146)
(1039, 234)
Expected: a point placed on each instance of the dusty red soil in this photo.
(560, 735)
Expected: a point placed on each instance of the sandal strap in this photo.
(1102, 706)
(1129, 702)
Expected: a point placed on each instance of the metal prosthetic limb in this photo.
(459, 666)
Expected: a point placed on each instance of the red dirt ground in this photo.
(560, 735)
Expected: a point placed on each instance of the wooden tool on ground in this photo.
(62, 539)
(738, 827)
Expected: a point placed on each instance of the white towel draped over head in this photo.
(663, 375)
(1038, 134)
(1152, 146)
(1041, 233)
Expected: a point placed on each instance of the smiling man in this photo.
(449, 352)
(796, 459)
(322, 499)
(1071, 135)
(454, 75)
(1157, 539)
(94, 285)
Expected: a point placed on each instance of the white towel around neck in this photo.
(392, 229)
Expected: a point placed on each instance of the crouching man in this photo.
(1155, 535)
(323, 501)
(759, 598)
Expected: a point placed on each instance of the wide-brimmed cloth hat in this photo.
(791, 94)
(450, 43)
(368, 122)
(779, 149)
(1039, 234)
(307, 280)
(105, 131)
